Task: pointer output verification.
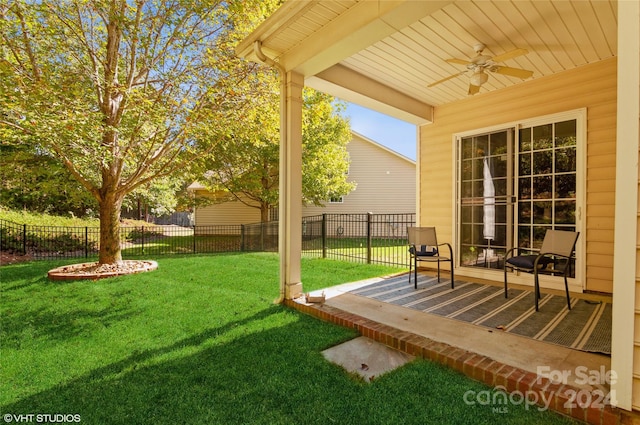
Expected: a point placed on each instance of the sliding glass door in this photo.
(486, 189)
(514, 184)
(546, 181)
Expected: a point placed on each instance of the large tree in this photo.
(244, 164)
(112, 88)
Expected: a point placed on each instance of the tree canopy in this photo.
(114, 89)
(125, 95)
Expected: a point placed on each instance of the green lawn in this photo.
(199, 341)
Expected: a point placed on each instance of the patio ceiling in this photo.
(384, 54)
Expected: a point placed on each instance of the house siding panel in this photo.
(590, 86)
(386, 185)
(386, 182)
(225, 214)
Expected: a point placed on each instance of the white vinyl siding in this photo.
(226, 213)
(386, 182)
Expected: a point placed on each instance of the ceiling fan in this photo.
(481, 63)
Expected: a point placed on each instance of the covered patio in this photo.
(567, 380)
(546, 94)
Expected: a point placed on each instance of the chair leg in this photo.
(536, 290)
(438, 270)
(410, 264)
(452, 278)
(566, 288)
(506, 294)
(415, 273)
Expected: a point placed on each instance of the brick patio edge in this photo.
(474, 366)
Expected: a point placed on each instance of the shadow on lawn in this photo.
(245, 381)
(47, 321)
(274, 375)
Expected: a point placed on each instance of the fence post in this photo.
(324, 235)
(242, 238)
(369, 223)
(86, 242)
(142, 236)
(24, 239)
(194, 238)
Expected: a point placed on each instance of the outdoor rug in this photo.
(586, 327)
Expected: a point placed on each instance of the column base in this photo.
(293, 291)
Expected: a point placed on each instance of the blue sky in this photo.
(397, 135)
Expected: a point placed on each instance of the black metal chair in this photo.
(557, 245)
(424, 246)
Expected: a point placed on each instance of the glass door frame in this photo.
(580, 116)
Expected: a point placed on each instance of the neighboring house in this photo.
(225, 213)
(386, 184)
(562, 142)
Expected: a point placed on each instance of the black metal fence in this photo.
(364, 238)
(367, 238)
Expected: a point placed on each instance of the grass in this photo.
(199, 341)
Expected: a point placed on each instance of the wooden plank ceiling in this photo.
(558, 35)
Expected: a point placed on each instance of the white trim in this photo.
(418, 174)
(626, 202)
(349, 85)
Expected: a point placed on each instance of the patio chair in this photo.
(424, 246)
(557, 251)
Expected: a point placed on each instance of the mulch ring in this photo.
(99, 271)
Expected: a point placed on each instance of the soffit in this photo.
(404, 45)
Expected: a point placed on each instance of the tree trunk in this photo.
(264, 212)
(110, 207)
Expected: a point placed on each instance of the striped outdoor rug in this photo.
(586, 327)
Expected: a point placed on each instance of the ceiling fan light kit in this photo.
(481, 63)
(478, 78)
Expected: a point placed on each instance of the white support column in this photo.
(290, 206)
(626, 212)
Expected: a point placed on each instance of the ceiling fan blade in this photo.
(510, 55)
(514, 72)
(458, 61)
(446, 78)
(473, 89)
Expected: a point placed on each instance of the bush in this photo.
(10, 240)
(134, 234)
(62, 242)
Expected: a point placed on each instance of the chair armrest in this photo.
(555, 255)
(450, 249)
(553, 269)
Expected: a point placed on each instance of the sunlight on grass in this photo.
(200, 341)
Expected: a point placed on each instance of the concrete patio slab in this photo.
(366, 357)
